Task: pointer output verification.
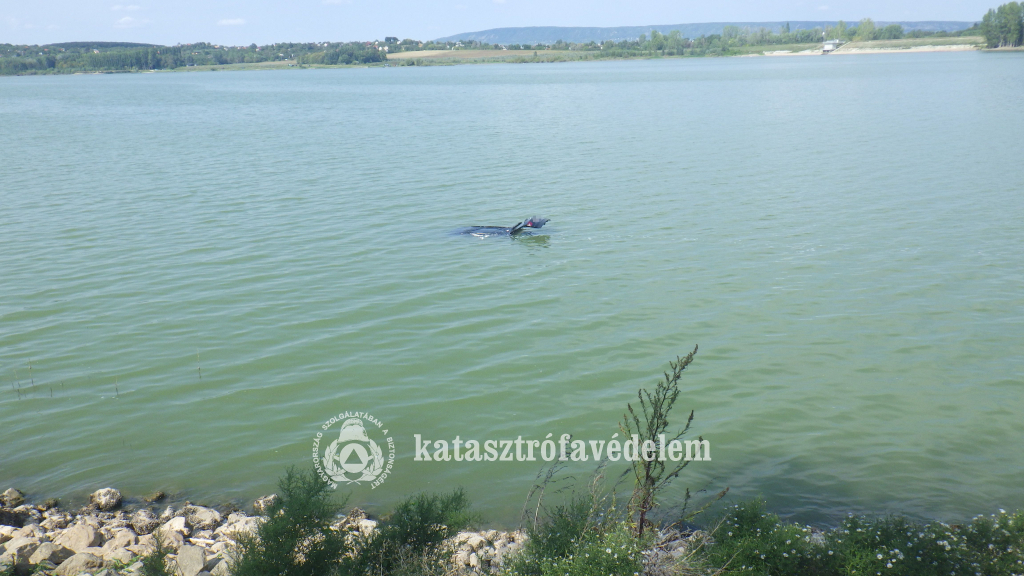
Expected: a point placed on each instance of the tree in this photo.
(1004, 26)
(1011, 15)
(657, 40)
(838, 31)
(866, 30)
(890, 32)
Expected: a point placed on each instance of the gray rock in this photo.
(80, 537)
(43, 568)
(476, 542)
(12, 498)
(12, 518)
(145, 547)
(155, 497)
(55, 521)
(232, 531)
(24, 545)
(170, 538)
(51, 552)
(191, 560)
(29, 531)
(261, 505)
(236, 517)
(120, 555)
(94, 550)
(19, 554)
(144, 521)
(105, 572)
(203, 518)
(92, 520)
(81, 562)
(167, 514)
(30, 513)
(218, 567)
(105, 499)
(121, 538)
(367, 527)
(176, 524)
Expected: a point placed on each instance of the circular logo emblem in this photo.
(354, 457)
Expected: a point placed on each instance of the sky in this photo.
(242, 22)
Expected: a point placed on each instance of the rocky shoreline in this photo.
(105, 538)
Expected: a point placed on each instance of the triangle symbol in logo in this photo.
(353, 458)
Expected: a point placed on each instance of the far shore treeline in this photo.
(1001, 27)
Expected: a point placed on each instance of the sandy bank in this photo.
(474, 54)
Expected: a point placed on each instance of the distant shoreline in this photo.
(911, 50)
(458, 57)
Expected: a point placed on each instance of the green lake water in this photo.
(202, 268)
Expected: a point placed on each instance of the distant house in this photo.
(391, 39)
(830, 46)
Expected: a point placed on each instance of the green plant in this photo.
(155, 563)
(560, 537)
(648, 427)
(614, 551)
(610, 549)
(997, 542)
(564, 527)
(119, 566)
(433, 562)
(413, 531)
(295, 537)
(749, 540)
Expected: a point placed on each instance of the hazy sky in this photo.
(265, 21)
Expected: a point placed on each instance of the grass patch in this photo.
(751, 541)
(275, 65)
(580, 538)
(774, 48)
(409, 540)
(906, 43)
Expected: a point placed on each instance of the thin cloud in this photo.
(230, 22)
(336, 2)
(14, 23)
(129, 22)
(124, 8)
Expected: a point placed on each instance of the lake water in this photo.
(202, 268)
